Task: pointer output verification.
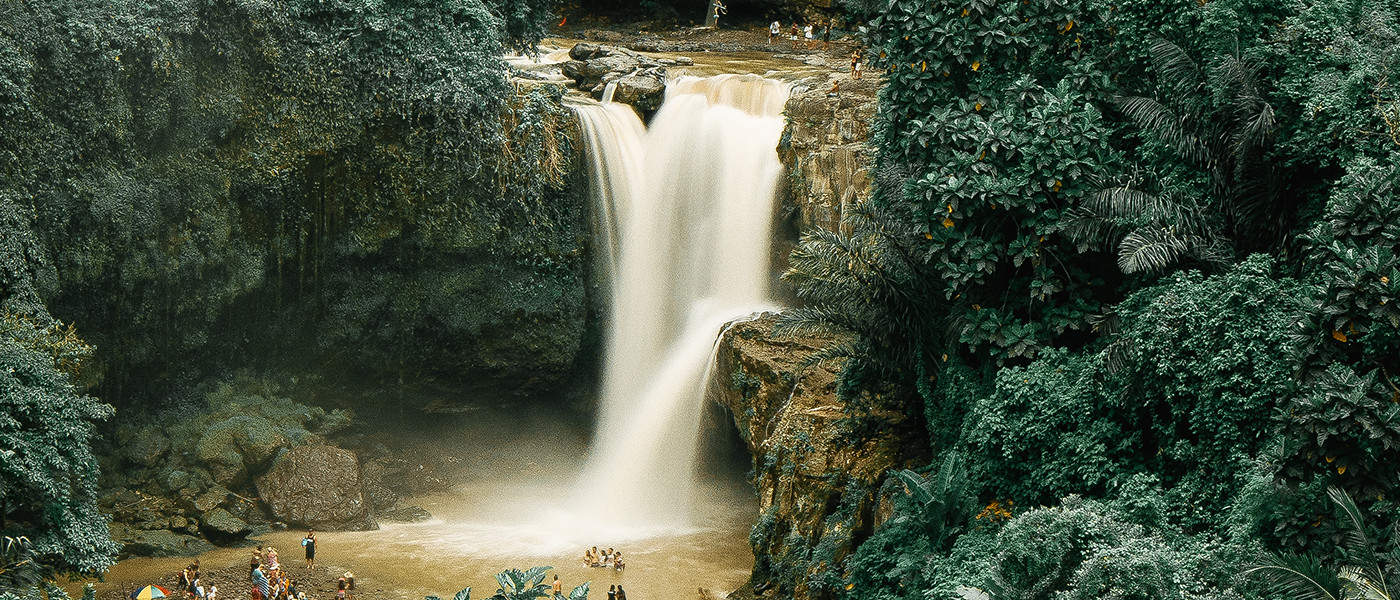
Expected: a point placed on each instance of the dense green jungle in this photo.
(1127, 278)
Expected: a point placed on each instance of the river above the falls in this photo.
(515, 462)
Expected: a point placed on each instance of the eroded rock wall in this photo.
(825, 150)
(818, 488)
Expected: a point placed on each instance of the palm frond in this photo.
(1176, 69)
(1361, 585)
(1166, 125)
(1299, 577)
(1150, 250)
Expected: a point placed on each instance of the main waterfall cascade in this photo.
(685, 213)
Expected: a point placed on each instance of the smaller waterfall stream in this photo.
(686, 212)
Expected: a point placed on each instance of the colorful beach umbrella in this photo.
(150, 592)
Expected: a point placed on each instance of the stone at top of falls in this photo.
(643, 92)
(641, 79)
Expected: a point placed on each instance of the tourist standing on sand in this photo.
(309, 542)
(259, 582)
(612, 592)
(774, 30)
(558, 586)
(621, 593)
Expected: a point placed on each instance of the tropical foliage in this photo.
(175, 170)
(524, 585)
(1137, 263)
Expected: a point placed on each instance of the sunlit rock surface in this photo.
(825, 151)
(818, 492)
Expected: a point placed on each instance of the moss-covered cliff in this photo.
(818, 481)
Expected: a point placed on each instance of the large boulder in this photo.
(644, 92)
(221, 525)
(316, 486)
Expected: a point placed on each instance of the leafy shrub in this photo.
(48, 474)
(1181, 390)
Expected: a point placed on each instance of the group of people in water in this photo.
(606, 559)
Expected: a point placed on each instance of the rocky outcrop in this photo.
(189, 472)
(824, 149)
(818, 486)
(220, 524)
(641, 80)
(318, 487)
(156, 542)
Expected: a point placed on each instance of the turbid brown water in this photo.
(509, 508)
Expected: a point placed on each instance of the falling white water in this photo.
(686, 212)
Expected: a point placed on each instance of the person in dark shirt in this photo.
(309, 542)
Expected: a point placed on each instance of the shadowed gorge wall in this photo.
(208, 183)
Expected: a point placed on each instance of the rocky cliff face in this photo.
(824, 149)
(818, 490)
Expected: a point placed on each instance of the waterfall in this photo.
(685, 213)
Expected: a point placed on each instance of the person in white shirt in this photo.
(774, 29)
(807, 33)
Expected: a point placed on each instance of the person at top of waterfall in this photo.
(720, 9)
(809, 35)
(558, 586)
(794, 32)
(774, 30)
(826, 34)
(855, 64)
